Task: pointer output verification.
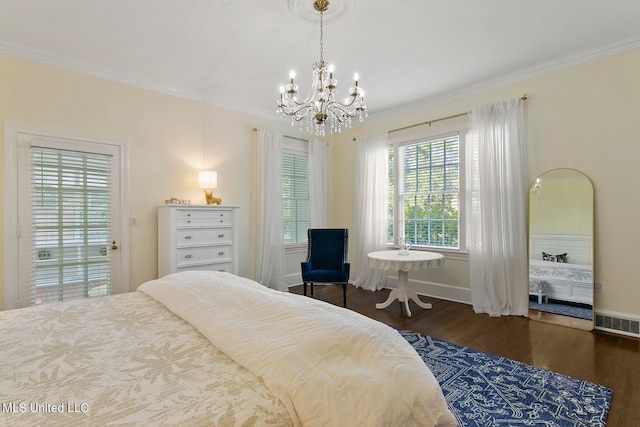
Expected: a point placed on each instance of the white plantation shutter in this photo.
(429, 192)
(295, 196)
(69, 226)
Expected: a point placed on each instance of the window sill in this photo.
(290, 248)
(448, 253)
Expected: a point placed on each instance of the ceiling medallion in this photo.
(305, 11)
(320, 106)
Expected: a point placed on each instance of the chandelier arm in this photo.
(294, 112)
(353, 100)
(341, 118)
(342, 108)
(297, 101)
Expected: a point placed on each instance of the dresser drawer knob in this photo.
(221, 235)
(188, 237)
(188, 214)
(222, 220)
(188, 256)
(221, 253)
(222, 270)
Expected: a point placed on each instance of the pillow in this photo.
(554, 258)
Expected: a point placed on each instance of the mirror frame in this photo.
(559, 319)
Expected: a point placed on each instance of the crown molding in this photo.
(120, 77)
(509, 79)
(85, 67)
(144, 82)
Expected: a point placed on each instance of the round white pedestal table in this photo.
(413, 260)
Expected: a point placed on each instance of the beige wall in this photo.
(584, 117)
(169, 140)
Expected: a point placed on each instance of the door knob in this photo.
(114, 246)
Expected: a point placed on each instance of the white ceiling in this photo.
(236, 53)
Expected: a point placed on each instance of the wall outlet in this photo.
(597, 287)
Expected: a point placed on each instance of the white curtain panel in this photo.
(496, 203)
(317, 184)
(270, 266)
(372, 189)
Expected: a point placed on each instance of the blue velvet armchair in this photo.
(327, 259)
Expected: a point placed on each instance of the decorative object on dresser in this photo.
(197, 237)
(208, 180)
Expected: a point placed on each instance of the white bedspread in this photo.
(328, 365)
(122, 360)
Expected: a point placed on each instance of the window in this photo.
(424, 192)
(70, 223)
(295, 196)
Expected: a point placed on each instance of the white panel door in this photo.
(69, 220)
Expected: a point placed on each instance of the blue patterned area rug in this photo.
(486, 390)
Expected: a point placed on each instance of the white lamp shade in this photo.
(208, 179)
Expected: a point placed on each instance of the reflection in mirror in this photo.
(561, 249)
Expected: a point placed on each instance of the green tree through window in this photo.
(427, 192)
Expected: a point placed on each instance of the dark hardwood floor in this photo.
(599, 357)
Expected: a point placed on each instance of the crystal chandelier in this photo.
(320, 105)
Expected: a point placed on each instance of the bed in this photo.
(210, 348)
(560, 268)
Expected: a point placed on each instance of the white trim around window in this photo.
(460, 253)
(298, 151)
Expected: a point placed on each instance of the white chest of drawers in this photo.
(193, 237)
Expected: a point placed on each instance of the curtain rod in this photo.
(287, 136)
(523, 97)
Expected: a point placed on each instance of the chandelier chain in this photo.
(321, 38)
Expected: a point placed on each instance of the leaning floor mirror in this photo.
(561, 249)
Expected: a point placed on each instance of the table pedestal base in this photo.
(403, 294)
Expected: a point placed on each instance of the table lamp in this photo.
(208, 180)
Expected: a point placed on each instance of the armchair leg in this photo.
(344, 295)
(344, 291)
(304, 288)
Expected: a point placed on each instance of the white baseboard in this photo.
(293, 279)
